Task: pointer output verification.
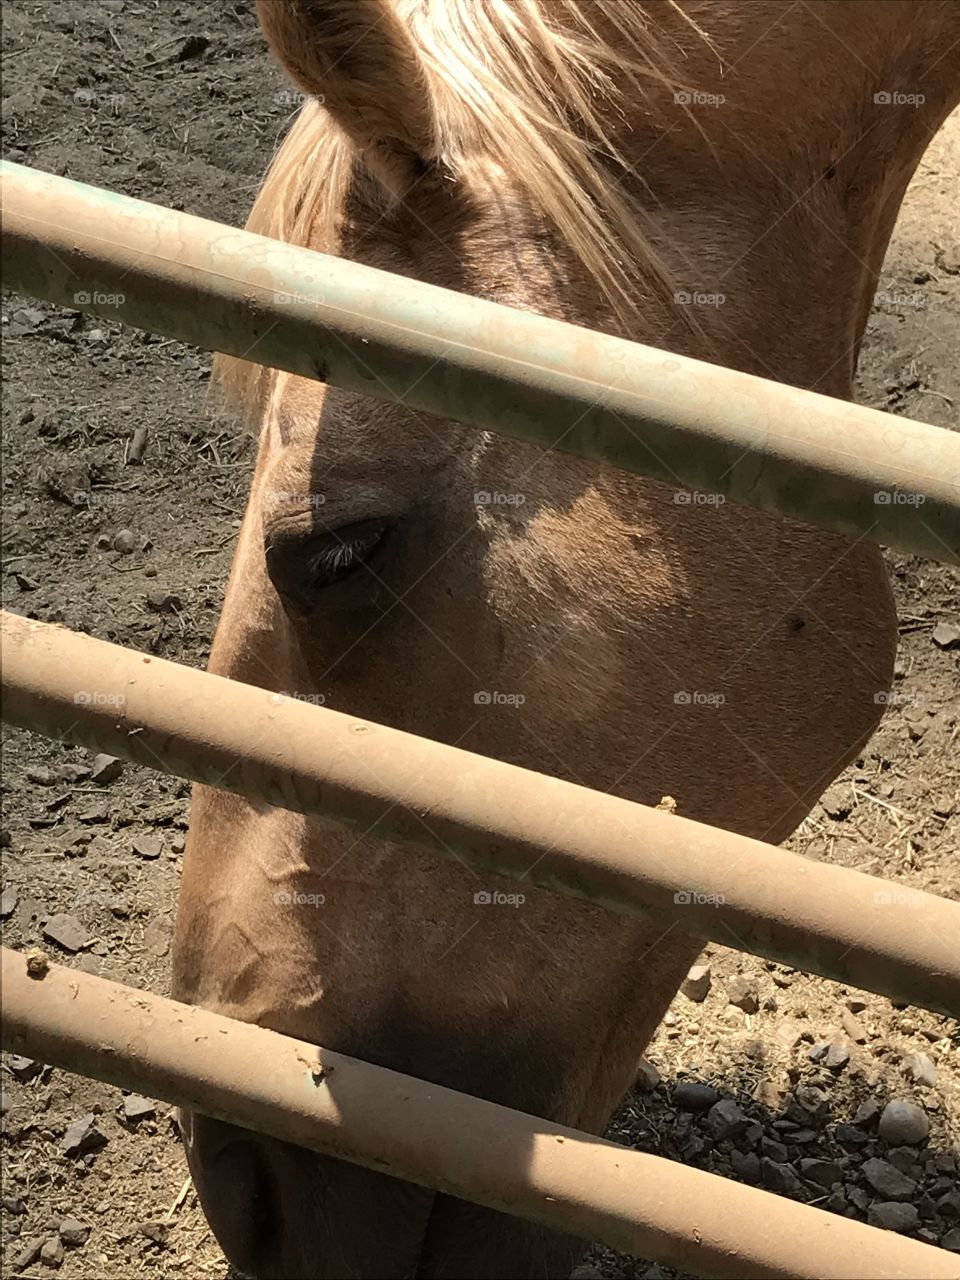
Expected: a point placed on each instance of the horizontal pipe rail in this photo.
(423, 1133)
(495, 817)
(693, 425)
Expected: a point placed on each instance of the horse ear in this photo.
(359, 59)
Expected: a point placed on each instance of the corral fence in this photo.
(845, 468)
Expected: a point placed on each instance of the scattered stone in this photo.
(164, 602)
(768, 1095)
(155, 1230)
(745, 1165)
(13, 1204)
(904, 1159)
(837, 1056)
(725, 1119)
(742, 993)
(28, 1255)
(951, 1240)
(888, 1181)
(949, 1205)
(38, 963)
(51, 1252)
(903, 1124)
(648, 1077)
(41, 776)
(813, 1101)
(837, 801)
(857, 1196)
(920, 1068)
(83, 1137)
(773, 1150)
(147, 846)
(688, 1095)
(823, 1172)
(67, 932)
(853, 1027)
(73, 1232)
(696, 985)
(124, 541)
(945, 635)
(849, 1135)
(779, 1178)
(585, 1272)
(8, 902)
(137, 1108)
(789, 1033)
(892, 1216)
(866, 1113)
(105, 769)
(855, 1004)
(24, 1069)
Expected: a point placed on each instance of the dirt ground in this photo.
(178, 103)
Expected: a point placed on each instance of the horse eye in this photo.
(302, 567)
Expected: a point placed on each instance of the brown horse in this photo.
(712, 177)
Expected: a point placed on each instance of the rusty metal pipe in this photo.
(423, 1133)
(693, 425)
(495, 817)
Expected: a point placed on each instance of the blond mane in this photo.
(526, 84)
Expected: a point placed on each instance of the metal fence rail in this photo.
(497, 818)
(688, 423)
(464, 1146)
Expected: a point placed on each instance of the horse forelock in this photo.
(530, 87)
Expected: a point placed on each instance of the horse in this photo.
(707, 177)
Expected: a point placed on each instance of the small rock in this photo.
(154, 1230)
(904, 1159)
(28, 1255)
(13, 1204)
(67, 932)
(903, 1124)
(837, 802)
(920, 1068)
(945, 635)
(23, 1069)
(74, 1232)
(51, 1252)
(745, 1165)
(823, 1172)
(850, 1136)
(892, 1216)
(124, 541)
(951, 1240)
(38, 963)
(147, 846)
(855, 1004)
(724, 1119)
(164, 602)
(866, 1113)
(8, 902)
(813, 1101)
(42, 776)
(779, 1178)
(742, 994)
(853, 1027)
(837, 1056)
(82, 1137)
(696, 985)
(888, 1181)
(105, 769)
(773, 1150)
(688, 1095)
(137, 1108)
(949, 1205)
(789, 1033)
(585, 1272)
(648, 1077)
